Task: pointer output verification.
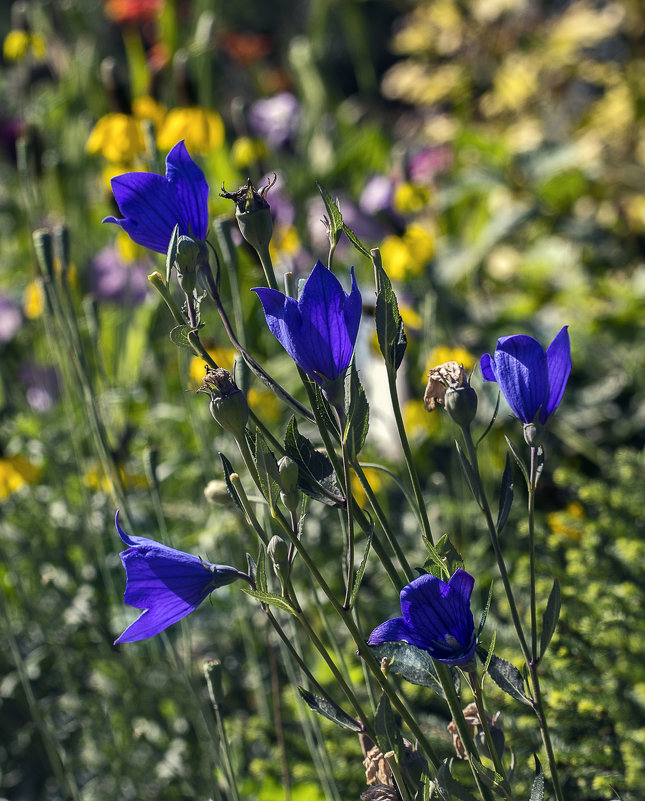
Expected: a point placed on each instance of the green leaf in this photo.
(550, 617)
(489, 655)
(539, 466)
(252, 567)
(469, 473)
(356, 241)
(505, 675)
(333, 212)
(228, 469)
(271, 599)
(390, 331)
(357, 413)
(537, 791)
(443, 558)
(181, 335)
(267, 470)
(388, 729)
(492, 420)
(491, 779)
(316, 476)
(484, 615)
(448, 788)
(361, 569)
(171, 253)
(505, 495)
(329, 711)
(261, 572)
(518, 458)
(413, 664)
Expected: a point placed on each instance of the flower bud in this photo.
(253, 214)
(448, 386)
(228, 404)
(278, 551)
(533, 434)
(216, 492)
(186, 259)
(288, 474)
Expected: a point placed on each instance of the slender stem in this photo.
(478, 692)
(412, 470)
(349, 503)
(255, 524)
(212, 675)
(267, 266)
(544, 729)
(531, 519)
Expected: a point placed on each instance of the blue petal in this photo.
(521, 372)
(558, 362)
(487, 366)
(394, 630)
(152, 205)
(130, 539)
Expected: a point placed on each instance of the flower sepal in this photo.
(253, 214)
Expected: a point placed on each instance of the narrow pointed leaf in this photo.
(489, 655)
(388, 730)
(361, 570)
(316, 476)
(505, 495)
(261, 572)
(271, 599)
(180, 335)
(491, 779)
(171, 255)
(390, 330)
(507, 677)
(537, 791)
(357, 413)
(333, 212)
(356, 241)
(448, 788)
(484, 615)
(329, 711)
(550, 617)
(228, 469)
(518, 458)
(443, 558)
(267, 471)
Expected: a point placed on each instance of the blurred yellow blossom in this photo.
(15, 472)
(515, 83)
(33, 300)
(265, 404)
(147, 108)
(128, 250)
(416, 420)
(441, 354)
(423, 85)
(18, 43)
(201, 129)
(117, 137)
(411, 318)
(568, 522)
(375, 480)
(410, 198)
(407, 256)
(223, 357)
(246, 151)
(285, 240)
(580, 26)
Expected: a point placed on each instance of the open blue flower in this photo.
(167, 584)
(436, 617)
(153, 204)
(319, 330)
(531, 380)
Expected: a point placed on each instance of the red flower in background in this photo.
(133, 12)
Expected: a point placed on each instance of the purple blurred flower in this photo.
(154, 204)
(531, 380)
(436, 618)
(167, 584)
(112, 279)
(276, 119)
(42, 386)
(427, 162)
(376, 195)
(319, 330)
(10, 319)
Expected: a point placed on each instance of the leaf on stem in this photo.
(361, 569)
(518, 458)
(505, 495)
(469, 473)
(171, 254)
(357, 413)
(505, 675)
(537, 791)
(484, 615)
(267, 471)
(390, 330)
(550, 617)
(316, 476)
(491, 779)
(228, 470)
(271, 599)
(333, 212)
(448, 788)
(492, 420)
(443, 558)
(180, 336)
(413, 664)
(323, 707)
(360, 247)
(388, 729)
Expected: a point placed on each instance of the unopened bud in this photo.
(448, 386)
(253, 214)
(288, 474)
(228, 404)
(278, 551)
(216, 492)
(186, 260)
(533, 434)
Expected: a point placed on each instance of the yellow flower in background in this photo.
(566, 523)
(410, 198)
(285, 240)
(375, 480)
(408, 255)
(201, 129)
(416, 420)
(18, 43)
(15, 472)
(246, 151)
(445, 353)
(147, 108)
(223, 357)
(411, 318)
(265, 404)
(33, 300)
(128, 250)
(117, 137)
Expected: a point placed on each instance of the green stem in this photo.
(267, 266)
(412, 470)
(531, 518)
(349, 503)
(478, 693)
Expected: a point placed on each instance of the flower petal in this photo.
(394, 630)
(558, 362)
(521, 372)
(130, 539)
(487, 366)
(188, 182)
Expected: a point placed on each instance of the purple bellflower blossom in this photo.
(319, 330)
(532, 380)
(153, 204)
(167, 584)
(436, 618)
